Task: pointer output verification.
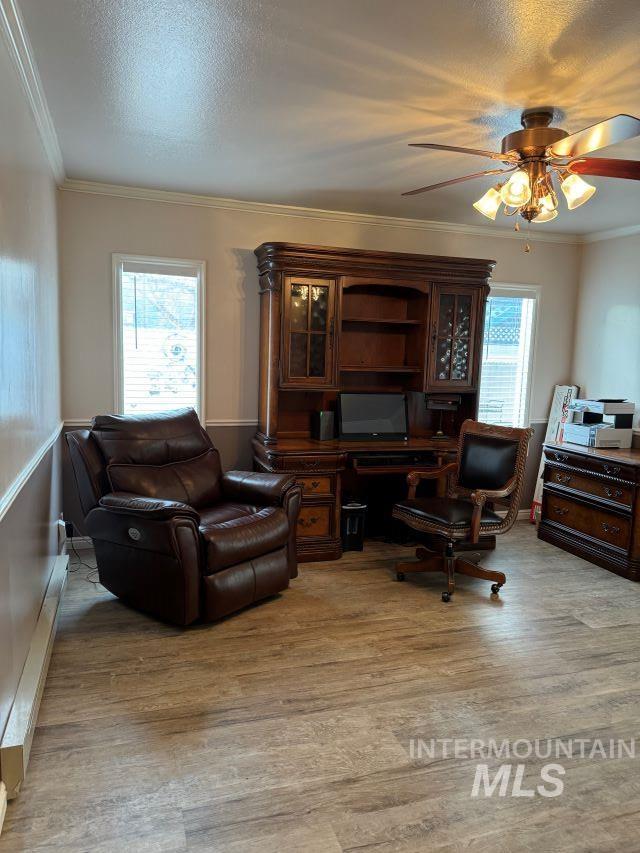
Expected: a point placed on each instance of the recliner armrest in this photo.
(257, 487)
(127, 503)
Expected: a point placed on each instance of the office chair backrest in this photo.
(487, 462)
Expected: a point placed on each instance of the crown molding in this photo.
(612, 234)
(170, 197)
(15, 34)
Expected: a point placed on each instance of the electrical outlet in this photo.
(68, 529)
(62, 535)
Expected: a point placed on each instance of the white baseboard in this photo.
(18, 735)
(523, 514)
(3, 804)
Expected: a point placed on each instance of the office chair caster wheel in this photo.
(399, 576)
(446, 596)
(495, 588)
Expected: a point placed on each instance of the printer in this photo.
(600, 423)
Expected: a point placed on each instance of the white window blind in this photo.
(158, 317)
(507, 358)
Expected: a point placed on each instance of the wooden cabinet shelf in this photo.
(381, 321)
(377, 368)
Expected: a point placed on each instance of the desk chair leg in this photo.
(450, 568)
(427, 561)
(464, 567)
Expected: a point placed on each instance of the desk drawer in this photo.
(315, 520)
(320, 485)
(608, 491)
(599, 524)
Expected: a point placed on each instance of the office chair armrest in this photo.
(414, 477)
(480, 497)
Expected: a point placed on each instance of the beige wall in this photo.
(93, 226)
(607, 340)
(29, 377)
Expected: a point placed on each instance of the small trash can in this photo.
(352, 526)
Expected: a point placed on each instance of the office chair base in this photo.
(450, 565)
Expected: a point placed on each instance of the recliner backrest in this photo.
(89, 469)
(168, 456)
(156, 439)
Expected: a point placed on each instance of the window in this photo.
(507, 355)
(158, 311)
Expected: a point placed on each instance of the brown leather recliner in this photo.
(173, 535)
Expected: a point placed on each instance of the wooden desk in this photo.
(321, 467)
(591, 505)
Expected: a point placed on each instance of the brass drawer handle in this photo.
(610, 528)
(315, 484)
(612, 493)
(311, 522)
(560, 510)
(561, 457)
(612, 469)
(564, 478)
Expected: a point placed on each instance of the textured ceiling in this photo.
(313, 104)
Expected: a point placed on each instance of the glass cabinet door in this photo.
(453, 326)
(308, 345)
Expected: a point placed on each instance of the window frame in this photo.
(529, 291)
(118, 260)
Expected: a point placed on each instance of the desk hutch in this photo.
(336, 320)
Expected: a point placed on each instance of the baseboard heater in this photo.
(18, 735)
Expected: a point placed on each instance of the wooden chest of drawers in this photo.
(591, 505)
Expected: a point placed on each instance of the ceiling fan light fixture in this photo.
(576, 191)
(490, 202)
(545, 194)
(545, 215)
(517, 190)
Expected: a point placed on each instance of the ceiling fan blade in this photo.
(607, 132)
(457, 181)
(629, 169)
(493, 155)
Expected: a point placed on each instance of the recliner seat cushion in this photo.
(244, 537)
(446, 512)
(150, 439)
(196, 482)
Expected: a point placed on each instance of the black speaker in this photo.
(322, 425)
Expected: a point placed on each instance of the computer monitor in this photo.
(373, 416)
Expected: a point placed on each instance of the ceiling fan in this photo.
(535, 155)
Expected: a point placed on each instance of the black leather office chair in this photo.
(490, 467)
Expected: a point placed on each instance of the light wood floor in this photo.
(287, 727)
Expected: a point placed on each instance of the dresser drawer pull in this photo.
(610, 528)
(612, 493)
(315, 484)
(612, 469)
(560, 510)
(563, 478)
(310, 522)
(561, 457)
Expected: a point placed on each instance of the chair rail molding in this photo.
(14, 489)
(15, 34)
